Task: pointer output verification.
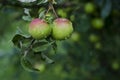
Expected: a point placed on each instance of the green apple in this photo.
(89, 8)
(93, 38)
(115, 65)
(62, 28)
(75, 37)
(39, 29)
(97, 23)
(98, 45)
(40, 67)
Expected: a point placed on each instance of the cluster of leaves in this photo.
(86, 60)
(33, 51)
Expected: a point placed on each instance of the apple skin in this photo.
(39, 29)
(62, 28)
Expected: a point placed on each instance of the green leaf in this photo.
(27, 18)
(54, 2)
(26, 64)
(54, 46)
(49, 18)
(42, 13)
(47, 59)
(17, 40)
(41, 46)
(19, 31)
(20, 40)
(42, 2)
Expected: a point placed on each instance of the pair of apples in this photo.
(60, 29)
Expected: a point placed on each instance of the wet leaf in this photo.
(27, 11)
(47, 59)
(41, 46)
(27, 65)
(19, 40)
(41, 14)
(27, 18)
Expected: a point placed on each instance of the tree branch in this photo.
(18, 4)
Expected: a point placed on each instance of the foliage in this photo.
(74, 60)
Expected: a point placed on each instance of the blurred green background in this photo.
(92, 53)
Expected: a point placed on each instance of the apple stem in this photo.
(52, 7)
(49, 8)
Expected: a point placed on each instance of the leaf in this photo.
(47, 59)
(41, 46)
(49, 18)
(26, 1)
(19, 31)
(105, 12)
(19, 40)
(27, 11)
(27, 65)
(54, 2)
(27, 18)
(54, 46)
(41, 14)
(42, 2)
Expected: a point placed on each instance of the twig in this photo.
(49, 8)
(51, 5)
(28, 48)
(21, 5)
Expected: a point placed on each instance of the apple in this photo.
(39, 29)
(75, 37)
(62, 28)
(97, 23)
(98, 45)
(89, 8)
(93, 38)
(115, 65)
